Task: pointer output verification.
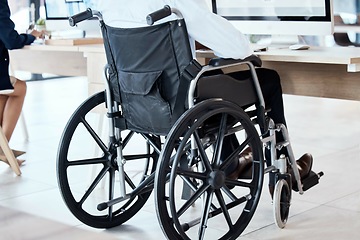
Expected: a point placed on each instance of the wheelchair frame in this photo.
(168, 158)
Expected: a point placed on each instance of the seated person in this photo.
(218, 34)
(12, 90)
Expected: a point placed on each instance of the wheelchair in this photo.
(166, 120)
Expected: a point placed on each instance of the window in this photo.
(20, 12)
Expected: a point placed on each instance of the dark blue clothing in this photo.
(9, 39)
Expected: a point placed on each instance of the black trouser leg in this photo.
(229, 145)
(272, 93)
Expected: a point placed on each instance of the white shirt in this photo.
(203, 26)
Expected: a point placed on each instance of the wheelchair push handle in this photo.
(159, 14)
(73, 20)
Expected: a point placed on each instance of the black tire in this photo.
(231, 201)
(83, 149)
(281, 202)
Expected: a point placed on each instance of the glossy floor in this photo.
(327, 128)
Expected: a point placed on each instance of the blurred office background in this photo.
(22, 15)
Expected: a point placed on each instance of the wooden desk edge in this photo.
(349, 58)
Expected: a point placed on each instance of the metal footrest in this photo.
(311, 180)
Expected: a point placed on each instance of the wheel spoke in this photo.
(94, 135)
(151, 142)
(219, 141)
(221, 201)
(127, 138)
(236, 152)
(136, 157)
(191, 174)
(90, 161)
(205, 214)
(203, 156)
(111, 191)
(183, 151)
(197, 194)
(94, 184)
(230, 182)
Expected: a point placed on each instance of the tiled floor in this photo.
(327, 128)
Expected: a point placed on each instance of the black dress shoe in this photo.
(244, 167)
(304, 164)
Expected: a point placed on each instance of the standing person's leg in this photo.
(10, 109)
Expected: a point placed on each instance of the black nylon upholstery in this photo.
(145, 66)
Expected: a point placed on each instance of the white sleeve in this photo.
(213, 31)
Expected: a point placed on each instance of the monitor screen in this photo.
(57, 14)
(277, 17)
(63, 9)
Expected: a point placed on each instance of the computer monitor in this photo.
(277, 17)
(57, 14)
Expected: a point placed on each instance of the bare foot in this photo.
(20, 162)
(16, 154)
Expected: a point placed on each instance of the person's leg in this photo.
(11, 108)
(272, 93)
(270, 84)
(3, 100)
(229, 145)
(269, 81)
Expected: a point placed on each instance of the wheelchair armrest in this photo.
(218, 62)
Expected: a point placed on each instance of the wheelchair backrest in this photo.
(145, 67)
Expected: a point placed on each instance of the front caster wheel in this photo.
(281, 204)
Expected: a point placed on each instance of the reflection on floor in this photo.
(327, 128)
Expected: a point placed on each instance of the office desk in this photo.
(95, 61)
(59, 60)
(63, 61)
(321, 72)
(347, 28)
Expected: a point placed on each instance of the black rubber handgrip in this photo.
(159, 14)
(73, 20)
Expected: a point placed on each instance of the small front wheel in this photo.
(281, 204)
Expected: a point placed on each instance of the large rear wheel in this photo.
(88, 171)
(215, 198)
